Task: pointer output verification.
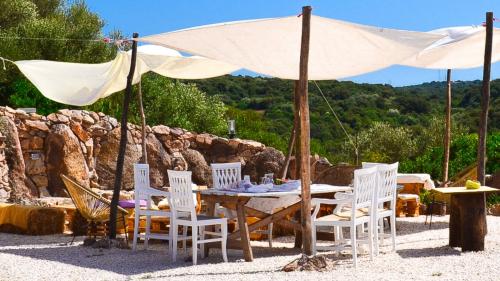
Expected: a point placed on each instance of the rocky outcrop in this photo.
(85, 146)
(4, 172)
(14, 160)
(202, 174)
(64, 156)
(159, 161)
(106, 160)
(270, 160)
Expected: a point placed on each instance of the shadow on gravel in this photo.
(8, 239)
(428, 252)
(410, 227)
(128, 262)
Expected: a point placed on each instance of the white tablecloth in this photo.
(416, 178)
(267, 202)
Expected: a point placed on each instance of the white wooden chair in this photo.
(360, 203)
(143, 191)
(225, 174)
(385, 194)
(184, 214)
(370, 164)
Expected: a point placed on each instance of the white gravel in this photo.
(422, 254)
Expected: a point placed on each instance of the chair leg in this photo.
(184, 236)
(174, 241)
(354, 246)
(336, 232)
(313, 238)
(375, 234)
(370, 237)
(171, 237)
(125, 228)
(224, 241)
(341, 233)
(202, 237)
(270, 234)
(393, 231)
(148, 231)
(381, 231)
(194, 246)
(136, 230)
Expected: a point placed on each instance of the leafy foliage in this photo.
(171, 103)
(54, 19)
(388, 124)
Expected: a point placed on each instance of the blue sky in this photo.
(156, 16)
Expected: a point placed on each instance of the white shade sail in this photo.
(83, 84)
(461, 47)
(271, 47)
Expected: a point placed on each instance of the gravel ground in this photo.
(422, 254)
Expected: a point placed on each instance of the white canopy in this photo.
(271, 47)
(83, 84)
(461, 47)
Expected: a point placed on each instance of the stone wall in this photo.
(4, 172)
(84, 145)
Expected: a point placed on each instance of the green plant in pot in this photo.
(425, 200)
(493, 204)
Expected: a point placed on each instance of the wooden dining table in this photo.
(467, 216)
(240, 238)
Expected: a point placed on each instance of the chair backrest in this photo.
(181, 193)
(387, 182)
(224, 174)
(365, 182)
(91, 205)
(370, 164)
(141, 180)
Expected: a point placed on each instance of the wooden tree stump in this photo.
(468, 221)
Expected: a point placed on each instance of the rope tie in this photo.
(338, 119)
(3, 62)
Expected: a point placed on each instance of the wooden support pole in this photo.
(485, 100)
(291, 144)
(123, 143)
(447, 130)
(304, 156)
(296, 123)
(144, 158)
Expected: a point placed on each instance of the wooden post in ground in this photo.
(304, 156)
(291, 144)
(297, 152)
(447, 130)
(123, 143)
(485, 100)
(144, 158)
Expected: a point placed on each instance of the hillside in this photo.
(357, 105)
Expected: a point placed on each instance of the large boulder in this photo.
(64, 156)
(269, 160)
(15, 162)
(202, 174)
(335, 175)
(106, 160)
(159, 161)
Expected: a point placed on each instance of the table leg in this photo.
(473, 219)
(245, 236)
(211, 213)
(455, 223)
(298, 233)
